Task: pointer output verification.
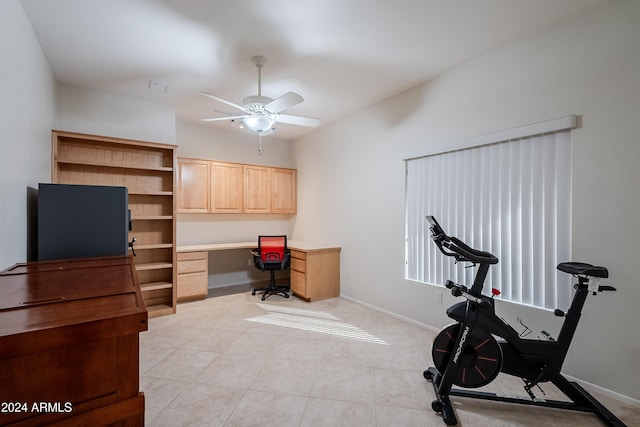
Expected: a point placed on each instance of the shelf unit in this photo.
(147, 170)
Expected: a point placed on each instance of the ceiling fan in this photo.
(261, 113)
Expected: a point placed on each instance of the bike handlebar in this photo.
(452, 246)
(471, 254)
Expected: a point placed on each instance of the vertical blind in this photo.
(511, 198)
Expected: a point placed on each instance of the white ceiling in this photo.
(340, 55)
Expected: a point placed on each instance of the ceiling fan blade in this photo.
(224, 101)
(298, 120)
(287, 100)
(226, 113)
(216, 119)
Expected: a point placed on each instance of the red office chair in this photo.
(272, 255)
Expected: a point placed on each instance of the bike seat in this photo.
(582, 268)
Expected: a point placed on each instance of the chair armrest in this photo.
(286, 261)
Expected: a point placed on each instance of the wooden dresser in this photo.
(69, 343)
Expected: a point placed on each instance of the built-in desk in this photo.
(315, 269)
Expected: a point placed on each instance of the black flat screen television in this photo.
(80, 221)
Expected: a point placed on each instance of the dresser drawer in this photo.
(298, 254)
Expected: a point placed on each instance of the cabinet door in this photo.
(226, 188)
(257, 189)
(283, 191)
(193, 186)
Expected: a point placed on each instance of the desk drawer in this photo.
(194, 266)
(193, 285)
(298, 265)
(298, 254)
(298, 283)
(192, 262)
(184, 256)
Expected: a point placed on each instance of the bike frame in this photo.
(533, 360)
(531, 352)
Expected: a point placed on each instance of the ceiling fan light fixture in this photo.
(261, 113)
(259, 123)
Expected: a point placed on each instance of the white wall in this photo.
(230, 145)
(27, 114)
(32, 105)
(211, 143)
(102, 113)
(207, 142)
(351, 176)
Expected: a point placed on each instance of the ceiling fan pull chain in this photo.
(260, 144)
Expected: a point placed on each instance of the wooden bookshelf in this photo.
(147, 170)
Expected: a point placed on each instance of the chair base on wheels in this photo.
(272, 289)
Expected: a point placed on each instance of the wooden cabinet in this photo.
(69, 339)
(315, 274)
(283, 191)
(193, 186)
(269, 190)
(257, 189)
(147, 170)
(193, 275)
(226, 187)
(208, 186)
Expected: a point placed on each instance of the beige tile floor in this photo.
(237, 361)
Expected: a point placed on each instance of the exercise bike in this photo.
(467, 353)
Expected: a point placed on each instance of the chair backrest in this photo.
(272, 248)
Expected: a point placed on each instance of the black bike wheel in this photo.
(479, 362)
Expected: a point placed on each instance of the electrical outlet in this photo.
(438, 297)
(249, 262)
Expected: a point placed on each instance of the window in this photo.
(510, 196)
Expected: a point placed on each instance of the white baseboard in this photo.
(587, 385)
(605, 391)
(245, 282)
(390, 313)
